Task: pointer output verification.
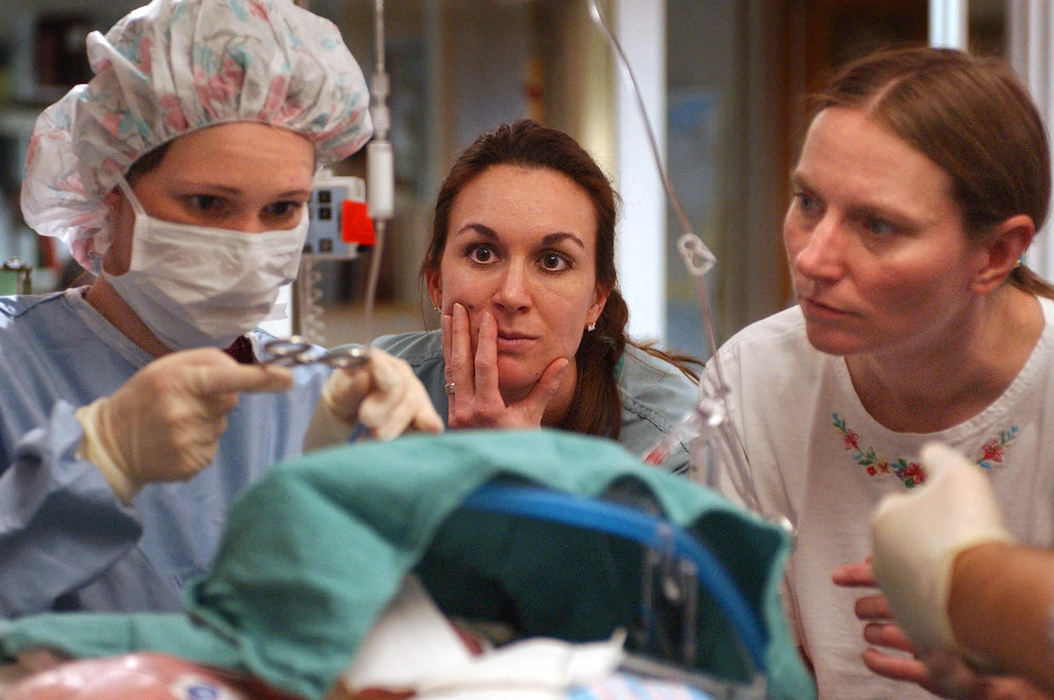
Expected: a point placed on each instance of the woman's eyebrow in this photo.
(560, 237)
(235, 191)
(481, 229)
(550, 239)
(797, 179)
(293, 193)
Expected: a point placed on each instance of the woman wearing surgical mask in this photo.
(521, 269)
(134, 410)
(922, 180)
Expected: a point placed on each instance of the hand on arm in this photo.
(1000, 605)
(164, 424)
(894, 655)
(950, 574)
(477, 400)
(881, 630)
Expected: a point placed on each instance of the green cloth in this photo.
(313, 552)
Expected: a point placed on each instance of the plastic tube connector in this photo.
(380, 180)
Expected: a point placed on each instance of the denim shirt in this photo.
(655, 394)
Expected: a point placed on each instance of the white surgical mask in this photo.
(196, 286)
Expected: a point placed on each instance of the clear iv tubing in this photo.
(711, 415)
(380, 168)
(310, 311)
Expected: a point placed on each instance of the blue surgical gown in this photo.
(66, 543)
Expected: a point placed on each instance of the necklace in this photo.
(909, 472)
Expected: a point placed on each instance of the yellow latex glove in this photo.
(384, 395)
(165, 422)
(917, 536)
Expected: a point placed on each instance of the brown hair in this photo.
(596, 405)
(147, 162)
(972, 117)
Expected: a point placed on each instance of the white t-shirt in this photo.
(818, 458)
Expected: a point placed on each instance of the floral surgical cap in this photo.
(174, 66)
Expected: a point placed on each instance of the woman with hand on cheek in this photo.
(521, 267)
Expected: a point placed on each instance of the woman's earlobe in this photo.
(601, 301)
(435, 295)
(1004, 251)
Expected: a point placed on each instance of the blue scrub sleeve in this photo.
(46, 494)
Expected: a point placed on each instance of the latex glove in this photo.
(384, 395)
(164, 424)
(917, 536)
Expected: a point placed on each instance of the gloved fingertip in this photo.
(939, 456)
(275, 379)
(385, 433)
(887, 503)
(384, 374)
(429, 424)
(283, 383)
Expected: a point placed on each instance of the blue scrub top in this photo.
(66, 543)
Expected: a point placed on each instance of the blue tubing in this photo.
(640, 527)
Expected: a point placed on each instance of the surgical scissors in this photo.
(294, 350)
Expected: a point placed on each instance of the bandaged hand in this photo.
(164, 424)
(383, 395)
(917, 536)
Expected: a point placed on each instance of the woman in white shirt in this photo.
(923, 177)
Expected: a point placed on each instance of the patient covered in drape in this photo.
(313, 554)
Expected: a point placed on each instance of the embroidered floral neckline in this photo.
(912, 473)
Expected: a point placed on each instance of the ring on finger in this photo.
(449, 388)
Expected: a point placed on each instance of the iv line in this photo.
(703, 258)
(712, 413)
(380, 168)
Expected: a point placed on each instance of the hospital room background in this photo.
(722, 82)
